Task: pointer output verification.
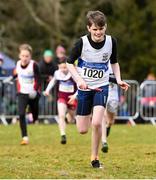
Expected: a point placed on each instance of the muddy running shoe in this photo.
(63, 139)
(96, 164)
(104, 147)
(24, 142)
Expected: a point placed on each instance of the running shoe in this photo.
(63, 139)
(24, 142)
(104, 147)
(96, 164)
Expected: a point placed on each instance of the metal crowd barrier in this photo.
(48, 105)
(8, 102)
(137, 100)
(2, 102)
(148, 101)
(129, 102)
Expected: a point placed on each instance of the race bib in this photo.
(66, 88)
(93, 73)
(27, 81)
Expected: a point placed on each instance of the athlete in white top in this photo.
(28, 86)
(26, 82)
(66, 100)
(110, 112)
(93, 53)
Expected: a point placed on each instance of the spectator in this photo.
(60, 54)
(47, 67)
(150, 77)
(7, 92)
(123, 106)
(2, 72)
(150, 88)
(148, 100)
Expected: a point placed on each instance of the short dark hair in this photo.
(62, 62)
(96, 17)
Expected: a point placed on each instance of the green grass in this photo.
(132, 153)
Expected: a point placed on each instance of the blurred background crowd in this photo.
(51, 27)
(46, 24)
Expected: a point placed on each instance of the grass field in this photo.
(132, 153)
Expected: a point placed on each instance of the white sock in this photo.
(104, 141)
(63, 134)
(26, 138)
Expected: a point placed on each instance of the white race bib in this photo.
(66, 88)
(93, 73)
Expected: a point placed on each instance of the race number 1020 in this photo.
(94, 73)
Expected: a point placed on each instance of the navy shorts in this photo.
(88, 99)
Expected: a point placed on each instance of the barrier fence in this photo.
(138, 100)
(129, 102)
(9, 107)
(148, 101)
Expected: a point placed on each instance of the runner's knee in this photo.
(96, 124)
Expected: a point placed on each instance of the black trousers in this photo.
(23, 101)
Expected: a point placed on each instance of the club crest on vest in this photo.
(105, 57)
